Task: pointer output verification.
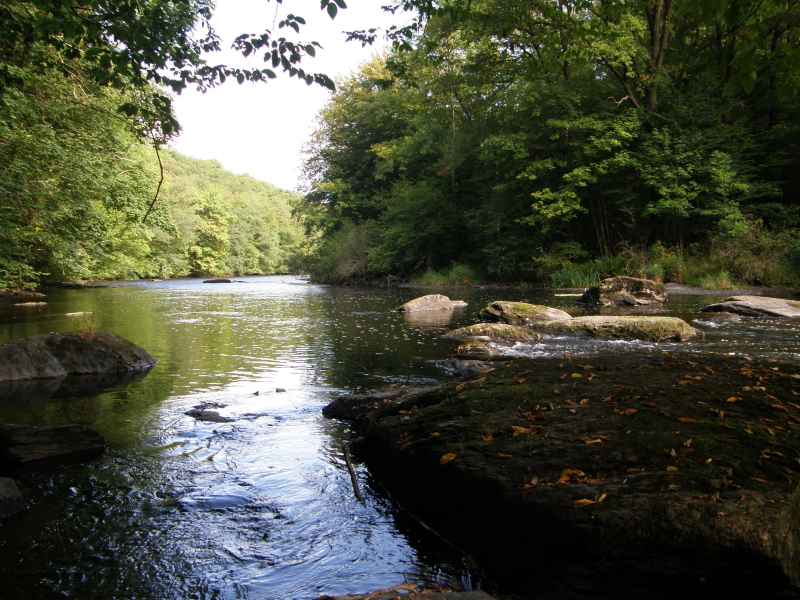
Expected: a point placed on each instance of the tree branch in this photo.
(160, 182)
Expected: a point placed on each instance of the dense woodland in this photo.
(552, 141)
(83, 137)
(564, 140)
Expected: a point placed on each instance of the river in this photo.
(263, 506)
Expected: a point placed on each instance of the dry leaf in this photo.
(446, 458)
(585, 502)
(568, 475)
(687, 420)
(576, 376)
(521, 430)
(504, 455)
(436, 434)
(733, 399)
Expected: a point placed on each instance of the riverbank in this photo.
(605, 476)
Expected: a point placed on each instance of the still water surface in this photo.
(261, 507)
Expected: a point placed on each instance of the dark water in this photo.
(261, 507)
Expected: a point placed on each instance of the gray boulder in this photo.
(757, 306)
(58, 355)
(522, 313)
(431, 302)
(626, 291)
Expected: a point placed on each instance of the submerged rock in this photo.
(18, 296)
(208, 416)
(522, 313)
(626, 291)
(464, 367)
(25, 446)
(403, 593)
(60, 355)
(757, 306)
(30, 304)
(651, 329)
(498, 332)
(431, 302)
(219, 280)
(11, 499)
(480, 350)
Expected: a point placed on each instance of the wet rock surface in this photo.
(403, 593)
(431, 302)
(522, 313)
(11, 499)
(649, 328)
(637, 474)
(24, 446)
(626, 291)
(496, 332)
(61, 355)
(757, 306)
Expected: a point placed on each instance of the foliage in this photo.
(512, 131)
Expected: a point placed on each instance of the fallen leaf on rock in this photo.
(520, 430)
(687, 420)
(594, 441)
(531, 484)
(584, 403)
(436, 434)
(585, 502)
(672, 469)
(569, 475)
(447, 458)
(504, 455)
(576, 376)
(733, 399)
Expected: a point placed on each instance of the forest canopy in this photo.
(565, 140)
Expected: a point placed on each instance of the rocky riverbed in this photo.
(639, 473)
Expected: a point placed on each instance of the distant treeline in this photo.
(567, 140)
(78, 179)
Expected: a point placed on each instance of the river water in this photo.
(262, 506)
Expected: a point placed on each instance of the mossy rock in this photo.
(522, 313)
(651, 329)
(498, 332)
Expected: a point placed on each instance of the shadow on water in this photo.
(260, 506)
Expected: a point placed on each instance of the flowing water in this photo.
(261, 506)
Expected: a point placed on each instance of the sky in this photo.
(260, 129)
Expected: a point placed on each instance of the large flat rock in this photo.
(758, 306)
(23, 446)
(646, 328)
(59, 355)
(499, 332)
(627, 475)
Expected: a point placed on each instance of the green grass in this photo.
(457, 274)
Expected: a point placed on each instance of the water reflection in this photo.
(262, 506)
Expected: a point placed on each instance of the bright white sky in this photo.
(260, 129)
